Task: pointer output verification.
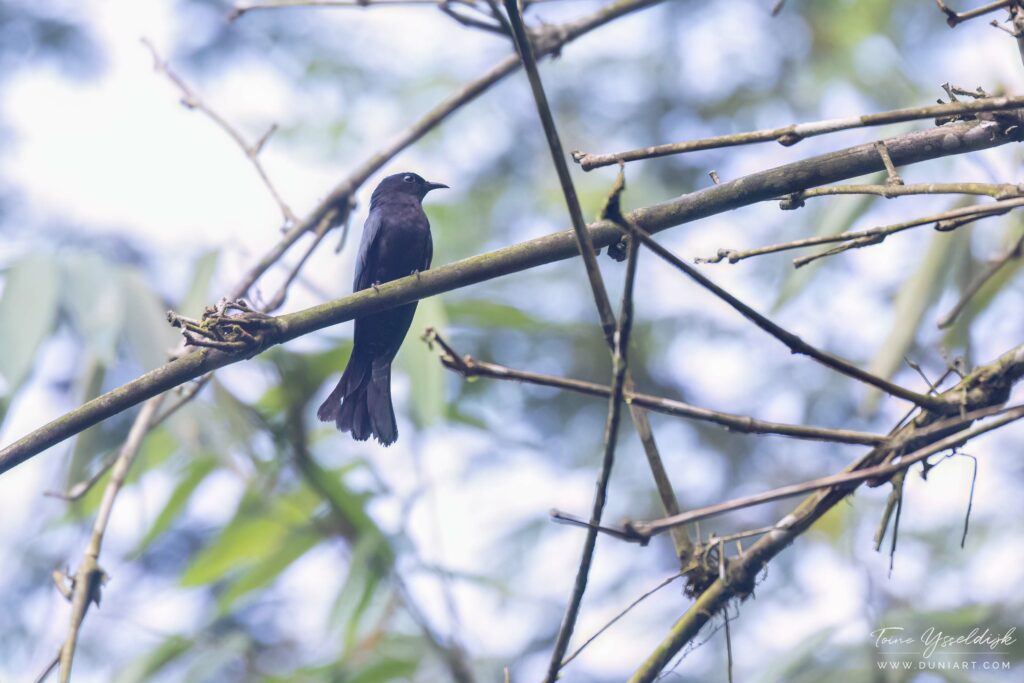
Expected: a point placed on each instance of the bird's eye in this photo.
(408, 179)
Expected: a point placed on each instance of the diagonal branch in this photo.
(988, 386)
(792, 134)
(953, 17)
(89, 577)
(644, 530)
(794, 343)
(191, 100)
(616, 335)
(469, 367)
(944, 221)
(739, 578)
(994, 190)
(990, 271)
(764, 185)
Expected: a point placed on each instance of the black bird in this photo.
(396, 242)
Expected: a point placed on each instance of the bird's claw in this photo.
(416, 273)
(376, 286)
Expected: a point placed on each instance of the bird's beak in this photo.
(435, 186)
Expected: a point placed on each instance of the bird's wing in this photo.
(366, 261)
(430, 252)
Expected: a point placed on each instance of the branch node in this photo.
(247, 332)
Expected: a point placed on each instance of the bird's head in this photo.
(405, 183)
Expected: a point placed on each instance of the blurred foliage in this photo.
(247, 507)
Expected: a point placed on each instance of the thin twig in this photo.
(243, 7)
(49, 668)
(644, 530)
(994, 190)
(948, 224)
(760, 186)
(191, 100)
(469, 367)
(579, 226)
(872, 236)
(328, 220)
(790, 340)
(990, 271)
(618, 616)
(986, 387)
(891, 177)
(89, 577)
(953, 18)
(970, 497)
(790, 135)
(613, 336)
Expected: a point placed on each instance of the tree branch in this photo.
(990, 271)
(828, 168)
(988, 386)
(944, 221)
(469, 367)
(792, 134)
(90, 577)
(191, 100)
(794, 343)
(994, 190)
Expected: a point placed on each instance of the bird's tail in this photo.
(361, 401)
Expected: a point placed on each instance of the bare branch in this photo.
(469, 367)
(792, 134)
(863, 238)
(89, 577)
(994, 190)
(618, 616)
(986, 387)
(769, 184)
(946, 221)
(792, 341)
(647, 529)
(615, 335)
(953, 18)
(990, 271)
(191, 100)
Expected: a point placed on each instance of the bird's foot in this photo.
(376, 286)
(416, 273)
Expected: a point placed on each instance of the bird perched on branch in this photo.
(396, 243)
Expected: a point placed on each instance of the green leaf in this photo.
(916, 296)
(425, 372)
(251, 536)
(360, 587)
(28, 310)
(268, 568)
(94, 301)
(482, 313)
(239, 544)
(957, 336)
(195, 473)
(150, 337)
(90, 443)
(197, 297)
(386, 669)
(351, 504)
(158, 445)
(155, 660)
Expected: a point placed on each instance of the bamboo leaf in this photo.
(28, 311)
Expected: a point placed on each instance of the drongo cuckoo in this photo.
(396, 242)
